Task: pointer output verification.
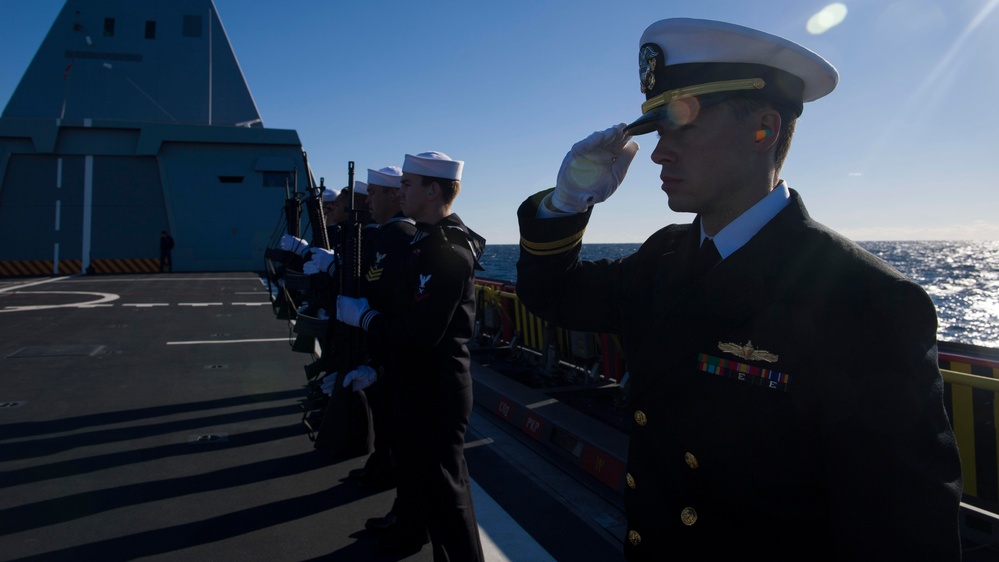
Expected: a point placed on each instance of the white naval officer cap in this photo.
(330, 195)
(433, 164)
(707, 61)
(389, 176)
(360, 188)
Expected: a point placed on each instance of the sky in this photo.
(905, 148)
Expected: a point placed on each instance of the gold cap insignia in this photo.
(647, 67)
(747, 352)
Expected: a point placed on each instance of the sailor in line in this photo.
(344, 419)
(425, 330)
(383, 255)
(380, 253)
(786, 398)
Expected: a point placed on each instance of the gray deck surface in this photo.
(157, 417)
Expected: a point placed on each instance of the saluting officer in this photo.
(427, 328)
(784, 383)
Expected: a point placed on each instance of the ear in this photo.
(768, 131)
(434, 190)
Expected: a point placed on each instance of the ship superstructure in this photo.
(134, 118)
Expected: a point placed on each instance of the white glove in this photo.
(292, 244)
(329, 381)
(360, 378)
(593, 169)
(322, 260)
(354, 312)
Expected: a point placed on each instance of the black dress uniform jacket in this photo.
(426, 330)
(787, 405)
(382, 256)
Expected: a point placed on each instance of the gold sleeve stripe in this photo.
(548, 252)
(555, 247)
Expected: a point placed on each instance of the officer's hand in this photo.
(360, 378)
(593, 169)
(292, 244)
(354, 312)
(329, 381)
(320, 261)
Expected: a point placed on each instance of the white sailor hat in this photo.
(433, 164)
(709, 61)
(360, 188)
(330, 195)
(389, 176)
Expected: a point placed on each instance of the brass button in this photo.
(630, 480)
(640, 418)
(688, 516)
(634, 538)
(691, 460)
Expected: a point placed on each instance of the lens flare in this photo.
(826, 19)
(684, 110)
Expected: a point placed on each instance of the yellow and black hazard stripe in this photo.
(132, 265)
(37, 268)
(40, 268)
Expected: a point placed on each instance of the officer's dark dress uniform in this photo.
(825, 438)
(426, 330)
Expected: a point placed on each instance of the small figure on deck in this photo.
(166, 251)
(785, 394)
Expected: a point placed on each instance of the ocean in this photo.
(962, 278)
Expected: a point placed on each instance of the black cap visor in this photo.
(677, 113)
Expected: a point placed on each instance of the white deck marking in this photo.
(32, 284)
(199, 304)
(250, 303)
(205, 342)
(102, 298)
(503, 540)
(146, 304)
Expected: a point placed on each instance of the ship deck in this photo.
(157, 417)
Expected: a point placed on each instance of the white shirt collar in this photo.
(745, 226)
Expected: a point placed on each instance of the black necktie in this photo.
(707, 257)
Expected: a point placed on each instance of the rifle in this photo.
(314, 203)
(345, 426)
(308, 327)
(282, 303)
